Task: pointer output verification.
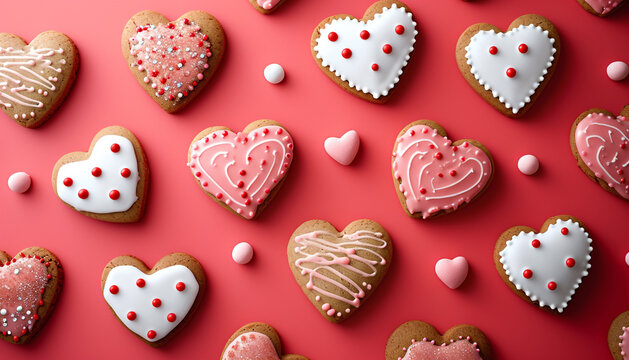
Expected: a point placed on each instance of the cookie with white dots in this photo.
(256, 341)
(30, 284)
(109, 182)
(509, 69)
(366, 57)
(545, 267)
(154, 303)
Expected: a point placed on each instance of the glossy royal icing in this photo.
(251, 346)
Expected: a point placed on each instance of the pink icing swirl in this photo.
(461, 349)
(251, 346)
(436, 175)
(603, 143)
(603, 6)
(21, 285)
(624, 345)
(242, 169)
(267, 4)
(174, 57)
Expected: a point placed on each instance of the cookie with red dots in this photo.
(366, 57)
(30, 283)
(109, 182)
(256, 341)
(154, 303)
(600, 144)
(242, 171)
(618, 337)
(37, 76)
(601, 8)
(509, 69)
(173, 60)
(545, 267)
(266, 6)
(416, 340)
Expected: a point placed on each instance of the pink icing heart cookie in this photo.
(242, 171)
(173, 60)
(153, 303)
(343, 149)
(618, 337)
(109, 182)
(36, 77)
(256, 341)
(545, 267)
(266, 6)
(600, 143)
(434, 175)
(509, 69)
(30, 284)
(366, 56)
(417, 340)
(601, 8)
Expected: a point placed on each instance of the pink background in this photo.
(180, 217)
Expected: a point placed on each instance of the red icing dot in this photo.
(156, 302)
(438, 156)
(333, 36)
(240, 184)
(399, 29)
(140, 283)
(151, 334)
(364, 34)
(113, 289)
(97, 172)
(527, 273)
(511, 72)
(243, 194)
(536, 243)
(131, 315)
(171, 317)
(387, 49)
(375, 67)
(180, 286)
(570, 262)
(422, 190)
(552, 285)
(523, 48)
(493, 50)
(83, 194)
(115, 147)
(16, 339)
(453, 172)
(68, 181)
(125, 173)
(564, 231)
(243, 172)
(114, 194)
(347, 53)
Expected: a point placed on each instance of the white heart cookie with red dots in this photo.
(109, 182)
(545, 267)
(153, 302)
(366, 56)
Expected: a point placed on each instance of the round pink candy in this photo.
(618, 70)
(242, 253)
(528, 164)
(627, 258)
(19, 182)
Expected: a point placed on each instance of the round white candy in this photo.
(618, 70)
(627, 258)
(19, 182)
(242, 253)
(274, 73)
(528, 164)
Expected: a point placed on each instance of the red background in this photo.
(180, 217)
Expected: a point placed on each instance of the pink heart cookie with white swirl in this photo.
(256, 341)
(600, 143)
(339, 270)
(242, 171)
(173, 60)
(435, 176)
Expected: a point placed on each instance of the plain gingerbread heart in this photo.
(50, 293)
(209, 27)
(417, 331)
(343, 149)
(452, 272)
(257, 328)
(260, 5)
(50, 53)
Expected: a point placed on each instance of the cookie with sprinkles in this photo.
(266, 6)
(36, 77)
(109, 182)
(30, 283)
(256, 341)
(417, 340)
(173, 60)
(154, 303)
(618, 337)
(601, 8)
(242, 171)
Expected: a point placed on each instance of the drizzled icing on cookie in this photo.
(267, 4)
(461, 349)
(624, 344)
(251, 346)
(603, 6)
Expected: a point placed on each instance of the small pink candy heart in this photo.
(452, 272)
(343, 149)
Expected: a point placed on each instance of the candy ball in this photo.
(242, 253)
(19, 182)
(274, 73)
(618, 70)
(528, 164)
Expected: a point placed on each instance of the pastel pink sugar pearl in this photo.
(19, 182)
(528, 164)
(618, 70)
(242, 253)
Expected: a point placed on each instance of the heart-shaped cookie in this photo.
(256, 341)
(30, 284)
(343, 149)
(338, 271)
(107, 183)
(242, 171)
(366, 56)
(417, 340)
(434, 175)
(618, 337)
(153, 303)
(173, 60)
(509, 70)
(600, 143)
(547, 266)
(36, 77)
(601, 8)
(266, 6)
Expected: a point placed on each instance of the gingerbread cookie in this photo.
(435, 176)
(242, 171)
(173, 60)
(417, 340)
(266, 6)
(509, 69)
(256, 341)
(601, 8)
(30, 284)
(600, 143)
(153, 303)
(618, 337)
(338, 271)
(545, 267)
(109, 182)
(366, 56)
(36, 77)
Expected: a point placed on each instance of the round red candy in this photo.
(114, 194)
(511, 72)
(387, 49)
(570, 262)
(364, 34)
(156, 302)
(114, 289)
(83, 194)
(527, 273)
(68, 181)
(171, 317)
(131, 315)
(333, 36)
(536, 243)
(140, 283)
(375, 67)
(125, 173)
(96, 172)
(115, 147)
(151, 334)
(564, 231)
(347, 53)
(523, 48)
(399, 29)
(552, 285)
(493, 50)
(180, 286)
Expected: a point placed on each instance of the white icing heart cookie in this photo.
(545, 267)
(509, 69)
(366, 56)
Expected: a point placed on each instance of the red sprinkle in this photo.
(375, 67)
(552, 285)
(151, 334)
(68, 181)
(527, 273)
(97, 172)
(387, 49)
(114, 194)
(333, 36)
(83, 194)
(570, 262)
(453, 172)
(399, 29)
(243, 172)
(140, 282)
(115, 148)
(131, 315)
(511, 72)
(113, 289)
(243, 194)
(347, 53)
(438, 156)
(171, 317)
(493, 50)
(564, 231)
(536, 243)
(364, 34)
(523, 48)
(156, 302)
(422, 190)
(125, 173)
(180, 286)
